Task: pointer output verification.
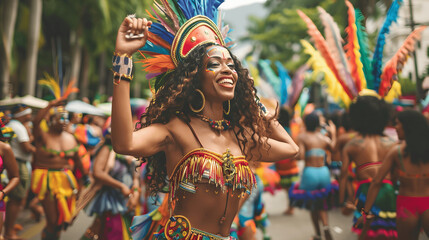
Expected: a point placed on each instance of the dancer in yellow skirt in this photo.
(53, 181)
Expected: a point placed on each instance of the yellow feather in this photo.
(394, 92)
(317, 62)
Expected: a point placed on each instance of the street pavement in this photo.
(282, 227)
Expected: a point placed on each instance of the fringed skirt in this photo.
(107, 199)
(384, 209)
(59, 184)
(316, 191)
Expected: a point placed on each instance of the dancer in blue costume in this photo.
(315, 192)
(204, 122)
(117, 194)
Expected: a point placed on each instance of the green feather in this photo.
(364, 50)
(176, 9)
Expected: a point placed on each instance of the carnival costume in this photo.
(59, 184)
(231, 174)
(110, 205)
(178, 28)
(384, 210)
(349, 72)
(315, 191)
(406, 205)
(252, 213)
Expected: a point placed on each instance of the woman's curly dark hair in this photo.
(416, 131)
(173, 98)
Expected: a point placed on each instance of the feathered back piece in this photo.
(350, 65)
(57, 90)
(178, 27)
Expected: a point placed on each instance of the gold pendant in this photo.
(228, 166)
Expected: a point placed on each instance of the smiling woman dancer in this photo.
(187, 134)
(410, 160)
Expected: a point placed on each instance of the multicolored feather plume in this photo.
(57, 90)
(396, 63)
(167, 17)
(352, 50)
(377, 60)
(335, 44)
(321, 45)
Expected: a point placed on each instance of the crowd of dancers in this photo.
(195, 164)
(353, 160)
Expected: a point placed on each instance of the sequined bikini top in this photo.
(223, 170)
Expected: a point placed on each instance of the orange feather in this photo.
(159, 63)
(396, 63)
(321, 45)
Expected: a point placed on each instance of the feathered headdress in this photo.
(178, 27)
(350, 65)
(57, 91)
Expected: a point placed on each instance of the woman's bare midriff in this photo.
(206, 207)
(314, 161)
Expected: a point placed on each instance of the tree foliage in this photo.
(277, 36)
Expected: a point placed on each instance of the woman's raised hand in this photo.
(135, 26)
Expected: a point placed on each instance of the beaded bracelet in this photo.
(122, 67)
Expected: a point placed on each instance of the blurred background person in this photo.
(410, 160)
(369, 116)
(315, 192)
(23, 151)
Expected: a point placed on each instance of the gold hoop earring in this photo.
(229, 108)
(204, 102)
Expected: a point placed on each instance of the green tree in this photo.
(277, 36)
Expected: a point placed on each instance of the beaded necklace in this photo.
(216, 124)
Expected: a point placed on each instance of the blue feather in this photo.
(392, 16)
(151, 47)
(192, 8)
(160, 30)
(286, 81)
(270, 75)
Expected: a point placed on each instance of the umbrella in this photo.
(27, 100)
(78, 106)
(106, 108)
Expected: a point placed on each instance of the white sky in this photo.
(230, 4)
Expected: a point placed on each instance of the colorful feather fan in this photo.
(396, 63)
(392, 16)
(321, 45)
(365, 72)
